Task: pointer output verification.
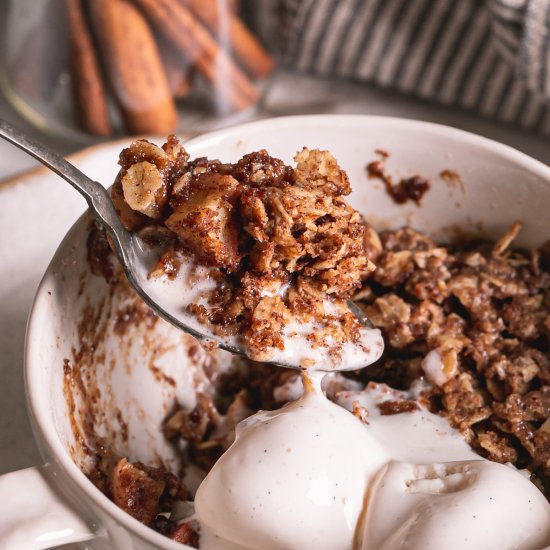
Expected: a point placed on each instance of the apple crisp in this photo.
(282, 242)
(466, 324)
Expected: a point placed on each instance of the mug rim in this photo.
(50, 445)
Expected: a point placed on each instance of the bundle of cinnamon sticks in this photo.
(144, 54)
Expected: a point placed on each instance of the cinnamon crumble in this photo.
(281, 242)
(411, 189)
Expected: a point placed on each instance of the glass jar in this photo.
(88, 71)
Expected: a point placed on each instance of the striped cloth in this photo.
(491, 56)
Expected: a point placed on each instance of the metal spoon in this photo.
(134, 255)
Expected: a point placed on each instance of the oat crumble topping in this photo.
(279, 240)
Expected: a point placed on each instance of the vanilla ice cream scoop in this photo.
(456, 506)
(314, 476)
(294, 478)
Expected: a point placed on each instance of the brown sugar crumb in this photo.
(382, 153)
(281, 239)
(406, 189)
(397, 407)
(185, 533)
(136, 492)
(360, 412)
(453, 179)
(143, 491)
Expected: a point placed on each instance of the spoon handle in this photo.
(96, 195)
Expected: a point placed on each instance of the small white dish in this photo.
(499, 185)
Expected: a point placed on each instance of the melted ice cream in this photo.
(299, 350)
(192, 284)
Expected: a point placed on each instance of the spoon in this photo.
(136, 257)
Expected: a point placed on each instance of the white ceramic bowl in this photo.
(56, 503)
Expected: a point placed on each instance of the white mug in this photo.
(55, 503)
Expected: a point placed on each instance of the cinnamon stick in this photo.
(248, 50)
(134, 67)
(88, 87)
(192, 39)
(234, 5)
(178, 69)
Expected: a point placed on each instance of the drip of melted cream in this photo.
(192, 284)
(311, 475)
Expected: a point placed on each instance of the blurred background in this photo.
(79, 72)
